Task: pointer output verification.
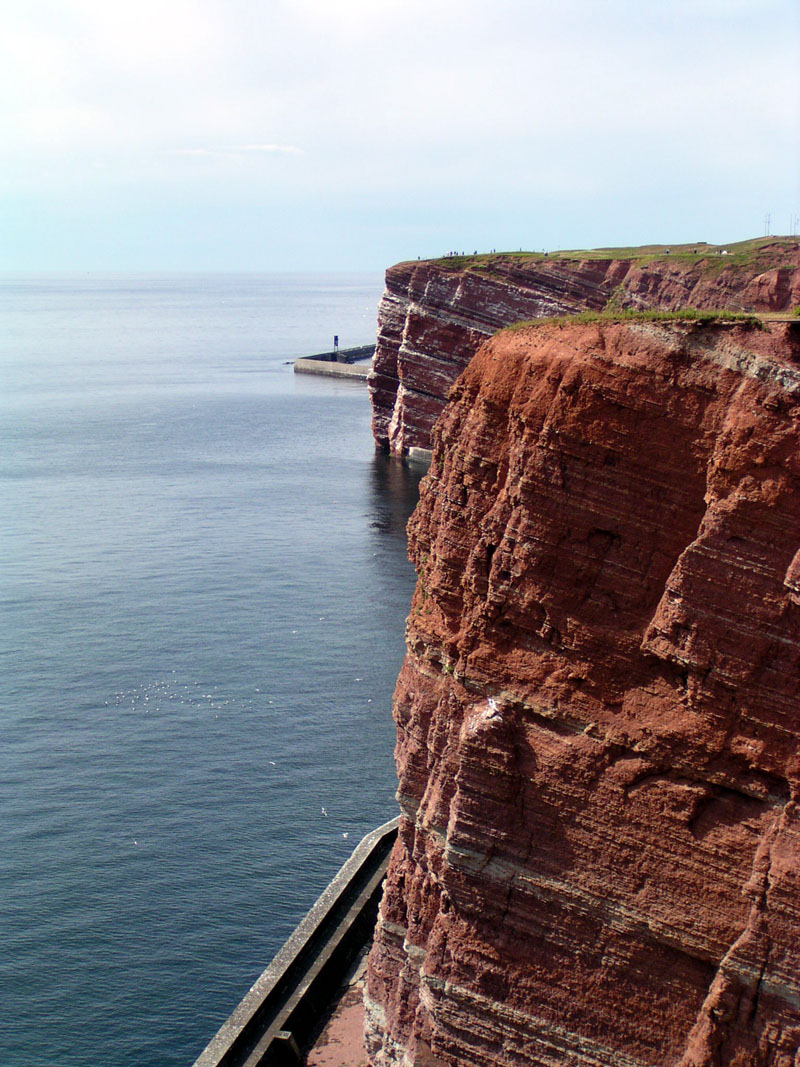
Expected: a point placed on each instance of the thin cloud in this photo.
(291, 149)
(238, 150)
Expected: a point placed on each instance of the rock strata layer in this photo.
(434, 315)
(598, 720)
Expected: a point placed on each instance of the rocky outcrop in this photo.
(434, 315)
(598, 721)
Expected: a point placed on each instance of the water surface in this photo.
(203, 593)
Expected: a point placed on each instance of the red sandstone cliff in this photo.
(435, 315)
(598, 717)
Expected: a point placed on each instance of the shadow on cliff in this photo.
(394, 494)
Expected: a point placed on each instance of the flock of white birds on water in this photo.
(155, 695)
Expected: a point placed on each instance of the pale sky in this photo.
(350, 134)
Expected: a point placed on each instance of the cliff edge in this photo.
(435, 314)
(597, 718)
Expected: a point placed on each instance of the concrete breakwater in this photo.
(340, 363)
(354, 371)
(278, 1016)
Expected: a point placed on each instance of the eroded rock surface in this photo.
(598, 718)
(434, 316)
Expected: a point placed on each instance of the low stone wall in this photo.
(277, 1017)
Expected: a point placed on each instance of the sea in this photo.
(203, 592)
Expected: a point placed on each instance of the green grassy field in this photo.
(759, 253)
(694, 315)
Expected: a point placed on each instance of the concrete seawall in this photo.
(329, 369)
(275, 1020)
(351, 363)
(344, 355)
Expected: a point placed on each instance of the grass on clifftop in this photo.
(759, 251)
(613, 316)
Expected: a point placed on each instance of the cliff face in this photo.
(435, 315)
(598, 721)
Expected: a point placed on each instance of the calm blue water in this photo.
(203, 589)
